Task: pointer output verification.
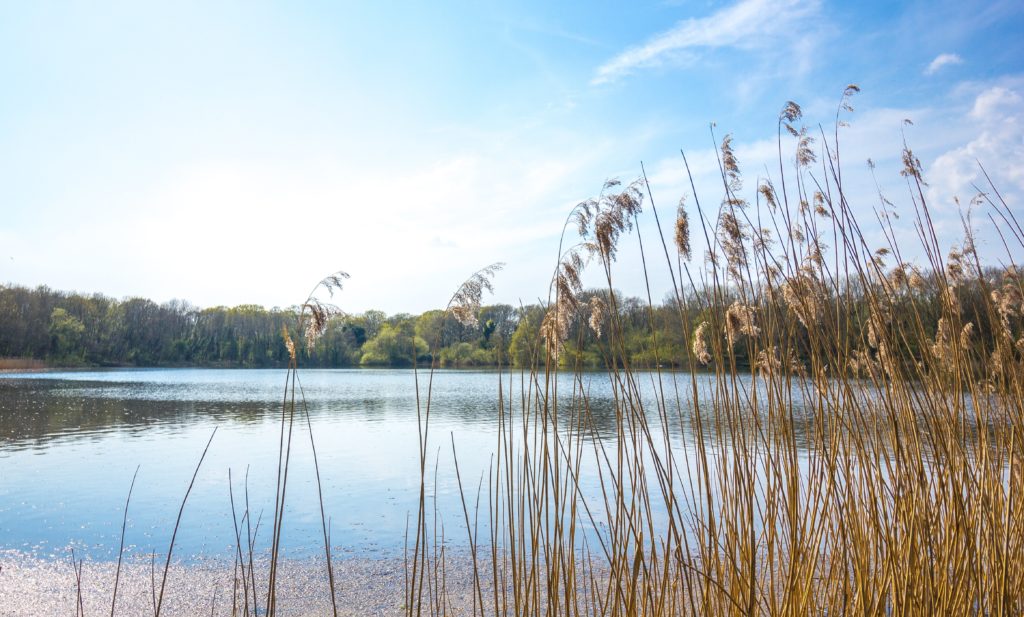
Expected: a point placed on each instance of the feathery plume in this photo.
(315, 314)
(682, 230)
(739, 320)
(819, 205)
(804, 297)
(1008, 303)
(966, 335)
(319, 314)
(612, 215)
(288, 343)
(700, 343)
(804, 153)
(790, 114)
(770, 362)
(912, 166)
(555, 328)
(917, 281)
(848, 92)
(465, 303)
(730, 164)
(732, 234)
(945, 343)
(597, 312)
(767, 190)
(898, 278)
(955, 266)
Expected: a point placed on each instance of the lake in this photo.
(70, 442)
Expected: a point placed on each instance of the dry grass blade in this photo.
(177, 523)
(120, 550)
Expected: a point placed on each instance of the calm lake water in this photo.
(71, 441)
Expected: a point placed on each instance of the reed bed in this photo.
(856, 419)
(21, 364)
(845, 441)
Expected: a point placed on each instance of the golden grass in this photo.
(18, 364)
(867, 460)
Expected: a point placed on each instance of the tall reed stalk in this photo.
(313, 319)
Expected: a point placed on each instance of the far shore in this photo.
(22, 364)
(26, 365)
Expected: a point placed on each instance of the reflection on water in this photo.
(70, 442)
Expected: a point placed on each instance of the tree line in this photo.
(72, 329)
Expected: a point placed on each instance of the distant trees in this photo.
(93, 330)
(66, 332)
(72, 329)
(396, 344)
(69, 329)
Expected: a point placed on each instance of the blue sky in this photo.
(228, 153)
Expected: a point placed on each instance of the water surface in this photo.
(71, 441)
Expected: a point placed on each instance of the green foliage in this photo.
(525, 346)
(394, 345)
(66, 332)
(467, 354)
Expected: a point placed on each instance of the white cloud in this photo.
(749, 24)
(941, 61)
(997, 116)
(995, 103)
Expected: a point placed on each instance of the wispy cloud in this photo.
(942, 60)
(748, 24)
(997, 145)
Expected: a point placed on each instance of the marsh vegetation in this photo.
(854, 416)
(902, 497)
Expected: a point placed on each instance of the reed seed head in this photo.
(819, 205)
(555, 329)
(768, 361)
(1008, 303)
(682, 235)
(912, 166)
(804, 152)
(730, 164)
(947, 342)
(732, 235)
(333, 283)
(700, 343)
(917, 281)
(966, 335)
(791, 112)
(803, 296)
(288, 343)
(318, 315)
(740, 320)
(767, 191)
(464, 305)
(597, 313)
(898, 277)
(612, 215)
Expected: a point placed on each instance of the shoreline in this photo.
(17, 365)
(33, 586)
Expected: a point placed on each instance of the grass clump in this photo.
(854, 438)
